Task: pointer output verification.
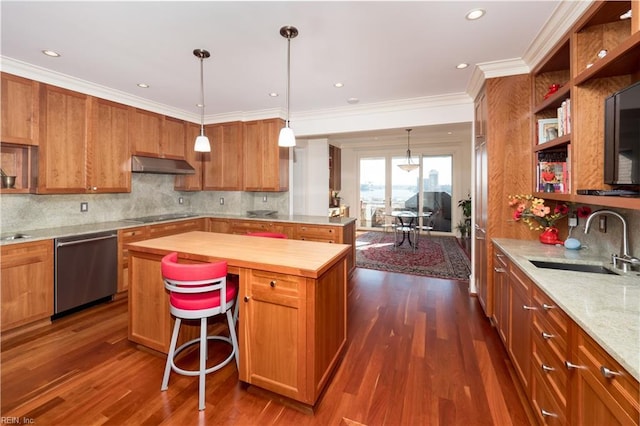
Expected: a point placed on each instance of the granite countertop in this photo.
(606, 307)
(72, 230)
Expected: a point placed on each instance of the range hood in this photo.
(140, 164)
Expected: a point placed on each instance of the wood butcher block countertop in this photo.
(287, 256)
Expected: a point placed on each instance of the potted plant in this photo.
(464, 226)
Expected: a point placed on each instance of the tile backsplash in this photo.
(151, 194)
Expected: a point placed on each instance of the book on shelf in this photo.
(564, 118)
(555, 173)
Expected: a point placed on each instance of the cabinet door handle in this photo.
(547, 307)
(546, 368)
(246, 298)
(608, 373)
(272, 283)
(501, 270)
(546, 413)
(546, 335)
(528, 308)
(571, 366)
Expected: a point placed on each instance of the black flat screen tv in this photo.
(622, 137)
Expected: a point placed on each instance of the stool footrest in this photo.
(211, 369)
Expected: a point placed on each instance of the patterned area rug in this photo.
(440, 257)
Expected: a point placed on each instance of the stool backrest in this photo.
(267, 234)
(194, 278)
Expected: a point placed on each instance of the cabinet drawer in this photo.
(550, 314)
(520, 282)
(276, 288)
(544, 404)
(607, 376)
(552, 371)
(174, 228)
(554, 342)
(242, 227)
(318, 233)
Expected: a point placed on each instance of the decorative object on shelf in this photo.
(335, 199)
(287, 138)
(202, 141)
(533, 211)
(409, 165)
(7, 181)
(552, 89)
(547, 129)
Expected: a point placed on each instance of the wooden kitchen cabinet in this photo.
(330, 234)
(195, 159)
(108, 153)
(335, 168)
(274, 333)
(223, 167)
(20, 110)
(266, 165)
(27, 283)
(218, 225)
(605, 394)
(175, 227)
(145, 132)
(64, 123)
(126, 236)
(520, 311)
(501, 294)
(172, 144)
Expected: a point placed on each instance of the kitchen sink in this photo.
(15, 237)
(576, 267)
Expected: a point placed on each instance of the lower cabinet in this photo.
(27, 283)
(501, 294)
(568, 378)
(126, 236)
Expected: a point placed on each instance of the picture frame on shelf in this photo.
(547, 130)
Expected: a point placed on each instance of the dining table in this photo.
(407, 221)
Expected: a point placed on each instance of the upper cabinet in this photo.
(191, 182)
(63, 141)
(266, 165)
(172, 144)
(599, 56)
(108, 151)
(145, 132)
(20, 113)
(223, 166)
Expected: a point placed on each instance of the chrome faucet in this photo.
(626, 260)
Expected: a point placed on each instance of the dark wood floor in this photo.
(419, 353)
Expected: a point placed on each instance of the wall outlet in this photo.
(222, 201)
(573, 221)
(602, 224)
(84, 207)
(264, 199)
(180, 200)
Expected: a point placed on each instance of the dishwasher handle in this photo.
(73, 243)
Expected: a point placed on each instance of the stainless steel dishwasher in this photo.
(86, 269)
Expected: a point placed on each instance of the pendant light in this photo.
(287, 138)
(408, 166)
(202, 141)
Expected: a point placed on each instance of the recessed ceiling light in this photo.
(462, 66)
(338, 85)
(273, 94)
(475, 14)
(143, 85)
(353, 100)
(51, 53)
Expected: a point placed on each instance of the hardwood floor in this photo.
(419, 353)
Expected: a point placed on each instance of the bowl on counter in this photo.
(8, 181)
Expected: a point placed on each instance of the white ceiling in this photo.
(382, 51)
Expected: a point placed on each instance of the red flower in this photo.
(563, 209)
(584, 211)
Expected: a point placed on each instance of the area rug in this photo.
(436, 256)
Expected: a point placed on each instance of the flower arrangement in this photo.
(534, 212)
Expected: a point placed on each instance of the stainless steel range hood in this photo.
(140, 164)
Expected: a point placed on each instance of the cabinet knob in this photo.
(546, 335)
(546, 413)
(246, 298)
(272, 283)
(546, 368)
(608, 373)
(571, 366)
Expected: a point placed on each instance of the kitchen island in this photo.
(292, 302)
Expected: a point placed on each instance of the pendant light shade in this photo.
(409, 165)
(202, 141)
(287, 138)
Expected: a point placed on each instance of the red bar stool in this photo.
(198, 291)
